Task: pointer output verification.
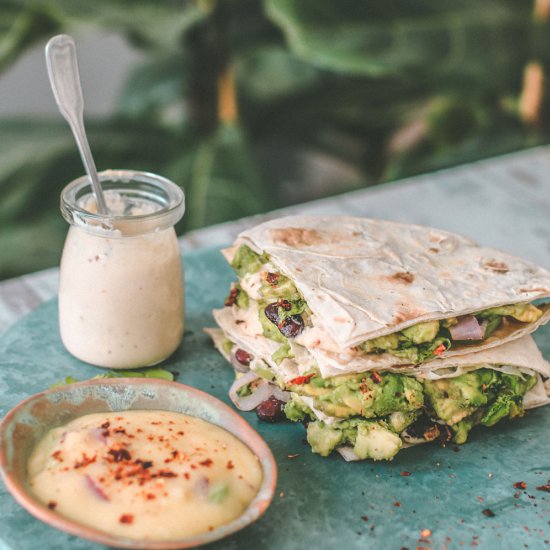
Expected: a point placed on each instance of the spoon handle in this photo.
(65, 81)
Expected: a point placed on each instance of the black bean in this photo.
(243, 357)
(291, 326)
(272, 312)
(271, 410)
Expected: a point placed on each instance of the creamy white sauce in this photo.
(251, 283)
(121, 296)
(153, 475)
(248, 320)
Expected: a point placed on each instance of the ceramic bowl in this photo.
(25, 424)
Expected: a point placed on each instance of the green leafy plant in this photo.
(252, 105)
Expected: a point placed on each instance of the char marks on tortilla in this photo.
(384, 276)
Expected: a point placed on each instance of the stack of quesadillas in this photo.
(378, 335)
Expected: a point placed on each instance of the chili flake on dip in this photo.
(153, 475)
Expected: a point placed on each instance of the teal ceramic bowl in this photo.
(26, 424)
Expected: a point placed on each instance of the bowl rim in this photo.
(252, 513)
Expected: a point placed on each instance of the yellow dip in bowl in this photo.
(156, 475)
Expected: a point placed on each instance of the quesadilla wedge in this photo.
(375, 414)
(381, 335)
(351, 290)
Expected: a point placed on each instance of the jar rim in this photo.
(168, 195)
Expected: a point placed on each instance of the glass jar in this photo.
(121, 280)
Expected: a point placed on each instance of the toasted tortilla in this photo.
(365, 278)
(331, 361)
(521, 355)
(517, 357)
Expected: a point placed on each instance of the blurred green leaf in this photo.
(270, 72)
(148, 372)
(147, 24)
(23, 29)
(399, 37)
(221, 179)
(155, 91)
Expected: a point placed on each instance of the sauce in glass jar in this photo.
(121, 281)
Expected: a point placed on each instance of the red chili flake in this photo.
(105, 425)
(150, 496)
(232, 298)
(181, 433)
(207, 462)
(57, 456)
(272, 279)
(299, 380)
(432, 433)
(52, 505)
(489, 513)
(166, 473)
(186, 475)
(365, 518)
(119, 454)
(126, 518)
(119, 430)
(230, 465)
(404, 473)
(397, 504)
(285, 304)
(545, 488)
(85, 461)
(375, 377)
(520, 485)
(440, 349)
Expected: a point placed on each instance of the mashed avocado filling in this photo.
(417, 344)
(484, 396)
(368, 396)
(371, 411)
(374, 420)
(369, 439)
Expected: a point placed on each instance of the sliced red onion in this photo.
(264, 390)
(95, 488)
(202, 486)
(99, 435)
(280, 394)
(467, 328)
(249, 402)
(348, 454)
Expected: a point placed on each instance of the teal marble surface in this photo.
(320, 503)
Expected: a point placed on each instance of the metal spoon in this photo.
(65, 81)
